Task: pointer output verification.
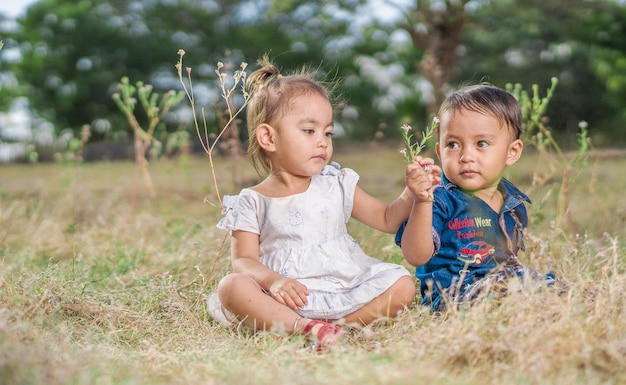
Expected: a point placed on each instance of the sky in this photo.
(14, 8)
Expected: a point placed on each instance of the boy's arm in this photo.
(417, 239)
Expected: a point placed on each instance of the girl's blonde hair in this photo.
(271, 93)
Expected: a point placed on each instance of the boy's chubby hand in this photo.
(421, 175)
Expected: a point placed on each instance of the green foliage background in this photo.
(75, 52)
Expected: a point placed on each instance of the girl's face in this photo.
(303, 136)
(475, 149)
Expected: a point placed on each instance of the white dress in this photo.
(304, 237)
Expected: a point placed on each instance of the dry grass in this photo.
(97, 290)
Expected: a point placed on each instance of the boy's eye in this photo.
(482, 144)
(452, 145)
(330, 134)
(308, 131)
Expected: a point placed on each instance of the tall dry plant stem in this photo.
(538, 134)
(228, 89)
(154, 109)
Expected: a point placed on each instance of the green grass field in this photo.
(102, 284)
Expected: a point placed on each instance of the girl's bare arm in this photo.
(245, 260)
(388, 218)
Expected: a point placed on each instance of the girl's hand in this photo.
(289, 292)
(421, 175)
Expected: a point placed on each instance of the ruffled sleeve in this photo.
(331, 169)
(346, 179)
(239, 213)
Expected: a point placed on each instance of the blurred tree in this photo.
(354, 43)
(580, 42)
(392, 71)
(9, 89)
(436, 27)
(602, 35)
(75, 52)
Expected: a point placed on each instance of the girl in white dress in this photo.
(295, 267)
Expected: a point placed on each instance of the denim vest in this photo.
(470, 238)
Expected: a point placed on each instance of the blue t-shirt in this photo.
(471, 239)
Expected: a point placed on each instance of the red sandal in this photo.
(327, 335)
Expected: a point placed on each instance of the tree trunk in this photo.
(438, 33)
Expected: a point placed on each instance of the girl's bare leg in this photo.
(244, 297)
(387, 305)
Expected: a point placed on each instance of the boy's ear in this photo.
(515, 152)
(438, 150)
(265, 137)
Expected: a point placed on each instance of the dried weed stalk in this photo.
(228, 86)
(539, 135)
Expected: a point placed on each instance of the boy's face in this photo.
(474, 150)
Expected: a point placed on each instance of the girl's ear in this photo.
(515, 152)
(438, 150)
(265, 137)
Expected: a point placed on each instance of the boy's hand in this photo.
(421, 175)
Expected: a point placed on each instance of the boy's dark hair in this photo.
(486, 99)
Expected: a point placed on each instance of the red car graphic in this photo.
(476, 252)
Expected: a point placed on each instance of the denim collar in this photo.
(512, 195)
